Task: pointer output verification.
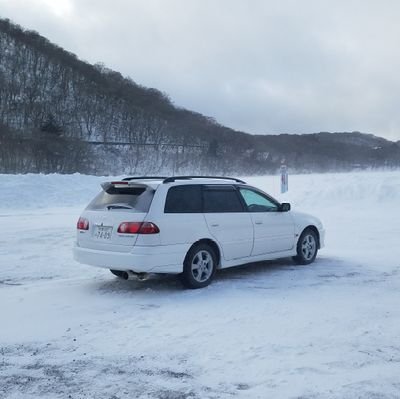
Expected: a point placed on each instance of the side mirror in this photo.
(284, 207)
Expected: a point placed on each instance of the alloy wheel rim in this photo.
(308, 246)
(202, 266)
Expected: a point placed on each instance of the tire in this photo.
(199, 266)
(119, 273)
(307, 247)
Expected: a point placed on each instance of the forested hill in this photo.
(61, 114)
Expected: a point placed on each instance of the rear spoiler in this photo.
(122, 184)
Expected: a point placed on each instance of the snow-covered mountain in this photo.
(60, 114)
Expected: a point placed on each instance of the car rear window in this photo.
(183, 199)
(134, 199)
(221, 199)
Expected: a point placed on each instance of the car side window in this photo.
(183, 199)
(222, 199)
(256, 202)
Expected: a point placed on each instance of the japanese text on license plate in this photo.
(103, 232)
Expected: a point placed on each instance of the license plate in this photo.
(103, 232)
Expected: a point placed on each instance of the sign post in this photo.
(284, 179)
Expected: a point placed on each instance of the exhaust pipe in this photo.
(143, 276)
(131, 275)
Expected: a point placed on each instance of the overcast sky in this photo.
(260, 66)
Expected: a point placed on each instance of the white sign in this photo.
(284, 179)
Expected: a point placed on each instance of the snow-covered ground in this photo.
(269, 330)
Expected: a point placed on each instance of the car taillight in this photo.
(148, 228)
(138, 228)
(129, 227)
(83, 224)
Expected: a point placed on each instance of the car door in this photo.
(273, 230)
(228, 221)
(182, 221)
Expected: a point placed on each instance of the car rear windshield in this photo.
(134, 199)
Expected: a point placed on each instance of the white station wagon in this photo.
(191, 226)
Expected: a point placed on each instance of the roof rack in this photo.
(145, 178)
(174, 178)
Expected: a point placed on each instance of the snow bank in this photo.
(334, 188)
(40, 191)
(305, 191)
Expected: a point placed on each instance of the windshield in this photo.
(134, 199)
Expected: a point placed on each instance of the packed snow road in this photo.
(268, 330)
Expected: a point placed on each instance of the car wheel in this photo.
(307, 247)
(119, 273)
(199, 266)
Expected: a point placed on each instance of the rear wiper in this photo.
(118, 206)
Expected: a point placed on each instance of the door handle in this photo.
(214, 225)
(258, 222)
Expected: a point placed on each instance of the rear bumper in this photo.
(142, 259)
